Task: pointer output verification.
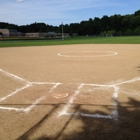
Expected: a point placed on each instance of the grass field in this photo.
(71, 40)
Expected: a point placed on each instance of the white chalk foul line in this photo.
(12, 75)
(128, 81)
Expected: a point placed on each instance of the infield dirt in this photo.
(90, 74)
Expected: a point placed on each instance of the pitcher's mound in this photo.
(60, 95)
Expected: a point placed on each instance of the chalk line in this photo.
(114, 115)
(64, 110)
(55, 86)
(34, 104)
(114, 112)
(97, 116)
(28, 84)
(15, 92)
(90, 115)
(40, 99)
(37, 101)
(64, 54)
(11, 109)
(42, 83)
(128, 81)
(12, 75)
(132, 92)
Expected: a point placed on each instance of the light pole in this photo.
(62, 32)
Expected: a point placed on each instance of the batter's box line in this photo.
(37, 101)
(29, 84)
(114, 115)
(15, 92)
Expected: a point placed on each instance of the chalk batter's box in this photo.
(87, 99)
(92, 100)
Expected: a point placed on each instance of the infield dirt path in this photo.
(70, 92)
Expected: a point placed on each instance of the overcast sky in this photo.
(54, 12)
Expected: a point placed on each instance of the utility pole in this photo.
(62, 32)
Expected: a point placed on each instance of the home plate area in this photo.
(76, 99)
(89, 100)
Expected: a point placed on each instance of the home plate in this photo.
(60, 95)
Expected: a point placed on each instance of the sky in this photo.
(54, 12)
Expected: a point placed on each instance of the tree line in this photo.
(116, 25)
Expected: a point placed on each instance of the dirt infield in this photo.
(70, 92)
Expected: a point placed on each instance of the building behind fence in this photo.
(14, 33)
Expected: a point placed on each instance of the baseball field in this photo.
(70, 91)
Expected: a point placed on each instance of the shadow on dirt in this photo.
(127, 127)
(138, 67)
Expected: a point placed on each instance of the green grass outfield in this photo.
(71, 40)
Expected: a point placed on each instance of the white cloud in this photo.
(19, 0)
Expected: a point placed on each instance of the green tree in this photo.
(97, 27)
(126, 22)
(105, 23)
(136, 32)
(119, 33)
(137, 13)
(110, 32)
(135, 22)
(71, 33)
(128, 32)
